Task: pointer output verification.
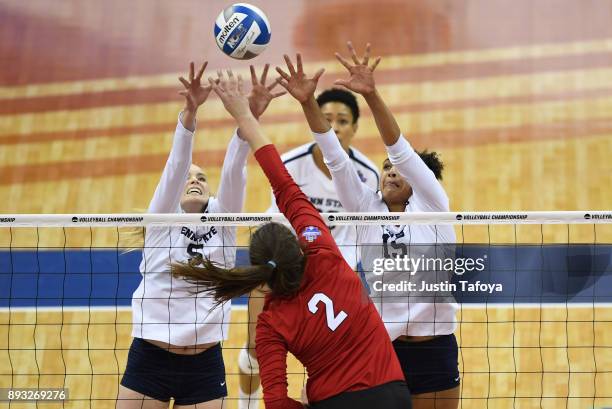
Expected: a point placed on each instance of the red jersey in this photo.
(331, 326)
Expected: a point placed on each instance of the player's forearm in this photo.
(387, 126)
(250, 130)
(315, 118)
(333, 153)
(168, 193)
(232, 187)
(291, 201)
(188, 119)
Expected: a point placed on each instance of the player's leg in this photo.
(129, 399)
(145, 383)
(202, 380)
(213, 404)
(431, 368)
(249, 393)
(447, 399)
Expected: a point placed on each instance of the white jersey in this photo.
(322, 193)
(407, 318)
(163, 307)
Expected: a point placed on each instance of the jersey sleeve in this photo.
(272, 356)
(293, 203)
(354, 195)
(273, 207)
(167, 196)
(425, 187)
(232, 187)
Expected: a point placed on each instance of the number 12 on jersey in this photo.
(333, 322)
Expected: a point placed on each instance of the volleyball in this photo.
(242, 31)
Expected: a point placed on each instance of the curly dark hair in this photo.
(339, 95)
(433, 162)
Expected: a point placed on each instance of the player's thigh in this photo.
(129, 399)
(448, 399)
(213, 404)
(256, 304)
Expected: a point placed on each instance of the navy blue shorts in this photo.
(429, 366)
(162, 375)
(392, 395)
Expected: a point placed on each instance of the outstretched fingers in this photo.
(199, 76)
(282, 82)
(264, 74)
(185, 83)
(353, 53)
(262, 79)
(342, 83)
(278, 94)
(318, 74)
(366, 56)
(271, 86)
(343, 61)
(300, 66)
(274, 84)
(290, 66)
(217, 87)
(240, 84)
(231, 84)
(221, 81)
(283, 74)
(375, 63)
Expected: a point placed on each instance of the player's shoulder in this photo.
(298, 154)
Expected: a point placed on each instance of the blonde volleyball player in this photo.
(422, 332)
(315, 306)
(176, 350)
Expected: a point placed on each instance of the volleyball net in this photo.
(533, 290)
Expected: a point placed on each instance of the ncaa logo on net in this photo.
(203, 219)
(311, 233)
(331, 218)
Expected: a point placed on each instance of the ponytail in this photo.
(225, 284)
(276, 260)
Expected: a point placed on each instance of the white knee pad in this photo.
(247, 363)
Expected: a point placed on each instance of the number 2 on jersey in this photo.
(333, 322)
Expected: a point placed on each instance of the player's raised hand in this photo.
(195, 94)
(361, 75)
(261, 95)
(231, 92)
(297, 83)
